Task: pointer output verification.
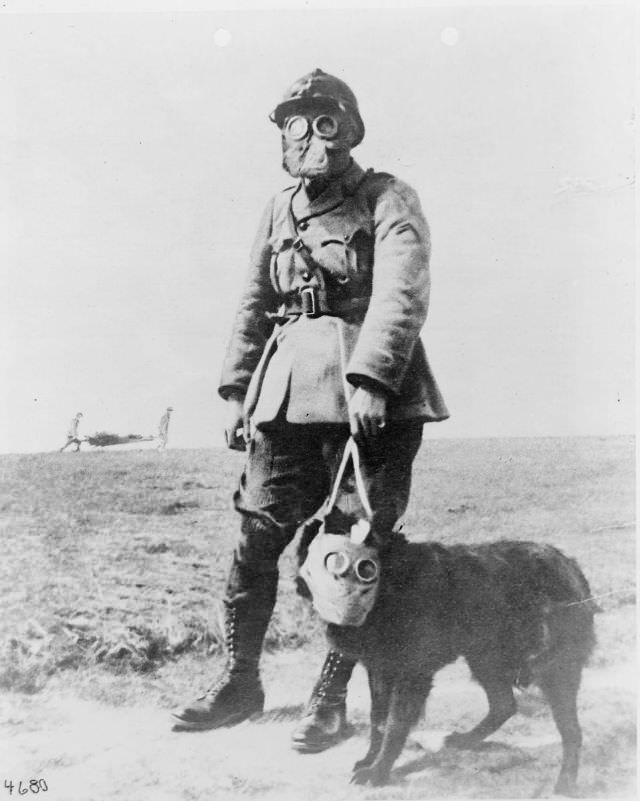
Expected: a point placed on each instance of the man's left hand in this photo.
(367, 414)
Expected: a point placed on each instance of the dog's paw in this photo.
(460, 739)
(565, 788)
(374, 775)
(363, 763)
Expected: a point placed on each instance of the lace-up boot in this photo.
(325, 721)
(237, 694)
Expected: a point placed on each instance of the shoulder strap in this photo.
(299, 245)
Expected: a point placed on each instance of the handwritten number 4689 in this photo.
(34, 786)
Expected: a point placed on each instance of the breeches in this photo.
(290, 471)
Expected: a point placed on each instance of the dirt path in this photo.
(87, 751)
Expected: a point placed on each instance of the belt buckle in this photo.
(309, 301)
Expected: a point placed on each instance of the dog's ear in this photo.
(376, 540)
(384, 540)
(309, 531)
(339, 522)
(395, 560)
(302, 588)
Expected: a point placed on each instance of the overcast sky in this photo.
(137, 157)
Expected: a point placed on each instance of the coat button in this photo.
(303, 225)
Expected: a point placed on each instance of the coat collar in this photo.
(332, 196)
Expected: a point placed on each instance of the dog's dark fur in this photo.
(518, 612)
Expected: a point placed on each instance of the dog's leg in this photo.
(502, 705)
(380, 687)
(408, 696)
(560, 684)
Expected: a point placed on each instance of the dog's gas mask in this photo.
(320, 124)
(342, 567)
(343, 577)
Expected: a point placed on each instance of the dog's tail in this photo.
(563, 581)
(569, 603)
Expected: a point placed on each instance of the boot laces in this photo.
(217, 685)
(230, 646)
(322, 695)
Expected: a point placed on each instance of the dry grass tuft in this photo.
(178, 506)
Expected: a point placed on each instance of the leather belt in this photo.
(310, 301)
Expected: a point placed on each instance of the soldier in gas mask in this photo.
(326, 343)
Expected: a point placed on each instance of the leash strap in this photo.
(350, 452)
(351, 448)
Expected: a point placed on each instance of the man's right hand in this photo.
(236, 430)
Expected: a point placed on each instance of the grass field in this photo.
(113, 563)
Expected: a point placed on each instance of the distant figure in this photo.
(72, 433)
(163, 429)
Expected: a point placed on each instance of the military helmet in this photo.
(319, 86)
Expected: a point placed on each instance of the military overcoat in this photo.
(369, 249)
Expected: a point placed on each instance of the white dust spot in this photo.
(450, 36)
(222, 37)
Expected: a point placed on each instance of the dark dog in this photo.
(518, 612)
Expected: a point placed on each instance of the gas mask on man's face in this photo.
(317, 142)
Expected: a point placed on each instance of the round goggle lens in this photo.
(337, 563)
(366, 570)
(297, 127)
(326, 126)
